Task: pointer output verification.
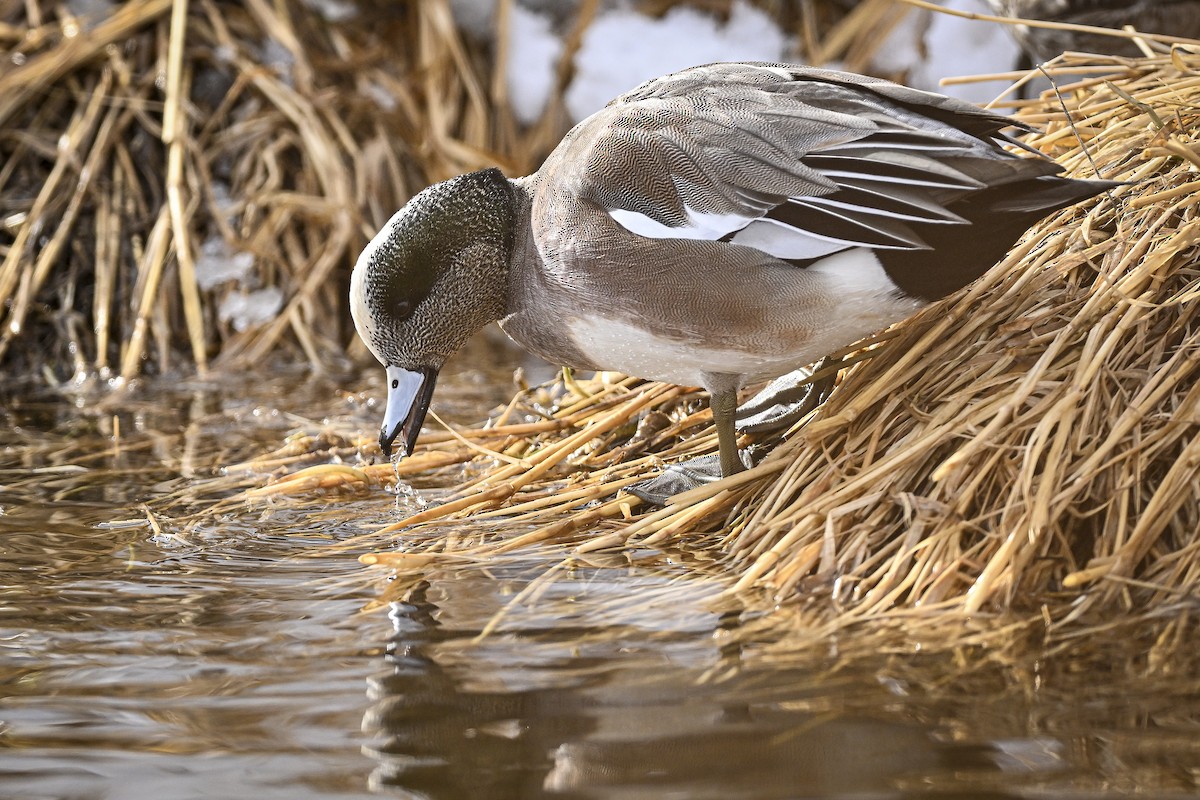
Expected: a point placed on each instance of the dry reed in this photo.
(190, 181)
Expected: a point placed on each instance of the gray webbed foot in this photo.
(785, 400)
(683, 477)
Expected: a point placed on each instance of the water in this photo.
(234, 658)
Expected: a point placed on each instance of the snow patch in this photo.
(275, 56)
(334, 10)
(623, 48)
(956, 46)
(218, 263)
(474, 17)
(90, 12)
(244, 311)
(533, 52)
(224, 200)
(382, 97)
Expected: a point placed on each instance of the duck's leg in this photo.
(678, 478)
(724, 407)
(781, 403)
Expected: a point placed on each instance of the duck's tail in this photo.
(1047, 193)
(998, 216)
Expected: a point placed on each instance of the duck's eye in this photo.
(404, 309)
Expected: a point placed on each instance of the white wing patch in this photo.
(784, 241)
(768, 235)
(700, 225)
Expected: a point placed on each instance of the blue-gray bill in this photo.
(409, 395)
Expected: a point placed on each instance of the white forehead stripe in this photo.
(364, 322)
(358, 299)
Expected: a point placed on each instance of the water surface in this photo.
(144, 656)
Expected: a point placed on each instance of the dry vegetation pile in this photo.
(1030, 442)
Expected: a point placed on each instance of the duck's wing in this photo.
(797, 162)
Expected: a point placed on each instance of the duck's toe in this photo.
(682, 477)
(785, 400)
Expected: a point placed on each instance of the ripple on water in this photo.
(229, 659)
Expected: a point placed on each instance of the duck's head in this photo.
(430, 279)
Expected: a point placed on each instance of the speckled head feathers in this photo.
(436, 272)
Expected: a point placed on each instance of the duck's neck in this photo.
(538, 309)
(524, 260)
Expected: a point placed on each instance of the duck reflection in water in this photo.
(580, 709)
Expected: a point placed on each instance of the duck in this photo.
(715, 227)
(1178, 17)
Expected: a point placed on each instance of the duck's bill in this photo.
(409, 395)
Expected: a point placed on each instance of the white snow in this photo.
(224, 53)
(533, 52)
(245, 311)
(622, 48)
(382, 96)
(224, 200)
(90, 12)
(474, 17)
(901, 51)
(217, 263)
(334, 10)
(955, 46)
(277, 57)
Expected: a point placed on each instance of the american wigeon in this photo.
(713, 227)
